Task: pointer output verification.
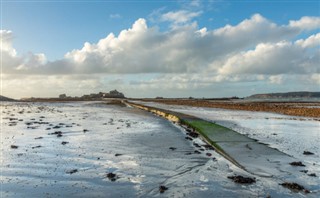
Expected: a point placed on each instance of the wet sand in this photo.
(306, 109)
(97, 150)
(288, 134)
(73, 150)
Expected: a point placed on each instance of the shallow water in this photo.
(99, 139)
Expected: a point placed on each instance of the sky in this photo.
(176, 48)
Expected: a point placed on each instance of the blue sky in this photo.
(39, 24)
(43, 35)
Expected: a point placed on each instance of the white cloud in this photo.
(315, 78)
(115, 16)
(306, 23)
(11, 62)
(141, 49)
(188, 57)
(179, 17)
(277, 79)
(270, 58)
(255, 46)
(6, 42)
(32, 61)
(312, 41)
(195, 3)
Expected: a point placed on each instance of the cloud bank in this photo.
(255, 49)
(254, 46)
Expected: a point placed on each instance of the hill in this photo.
(300, 94)
(3, 98)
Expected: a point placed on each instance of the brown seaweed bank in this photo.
(306, 109)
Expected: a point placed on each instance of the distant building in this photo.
(94, 96)
(86, 97)
(113, 94)
(62, 96)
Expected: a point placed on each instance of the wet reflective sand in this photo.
(67, 150)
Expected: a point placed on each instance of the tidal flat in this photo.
(90, 149)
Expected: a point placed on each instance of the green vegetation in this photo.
(212, 132)
(205, 128)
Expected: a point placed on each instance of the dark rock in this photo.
(162, 189)
(38, 138)
(118, 154)
(304, 171)
(85, 130)
(306, 191)
(312, 175)
(36, 147)
(197, 152)
(12, 124)
(208, 154)
(72, 171)
(297, 164)
(193, 134)
(242, 180)
(64, 143)
(112, 176)
(188, 138)
(208, 147)
(196, 145)
(307, 153)
(55, 133)
(172, 148)
(294, 187)
(14, 146)
(247, 146)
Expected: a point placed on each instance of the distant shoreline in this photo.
(305, 108)
(295, 108)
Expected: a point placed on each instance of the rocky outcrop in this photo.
(3, 98)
